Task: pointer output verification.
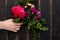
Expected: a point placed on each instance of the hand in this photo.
(10, 25)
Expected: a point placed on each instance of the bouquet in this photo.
(25, 12)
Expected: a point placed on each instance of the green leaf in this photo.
(45, 28)
(23, 2)
(15, 20)
(28, 8)
(28, 27)
(41, 28)
(43, 21)
(20, 1)
(38, 25)
(35, 34)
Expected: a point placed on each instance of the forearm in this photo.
(1, 24)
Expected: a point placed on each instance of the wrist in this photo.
(1, 24)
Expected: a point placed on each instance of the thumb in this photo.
(10, 20)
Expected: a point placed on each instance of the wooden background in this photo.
(50, 11)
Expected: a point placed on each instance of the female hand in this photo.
(10, 25)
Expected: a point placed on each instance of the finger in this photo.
(17, 29)
(17, 24)
(9, 20)
(13, 30)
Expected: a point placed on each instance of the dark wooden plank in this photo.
(2, 8)
(45, 35)
(2, 17)
(10, 4)
(3, 35)
(56, 20)
(22, 34)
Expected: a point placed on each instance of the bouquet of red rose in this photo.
(27, 13)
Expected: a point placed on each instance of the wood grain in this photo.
(50, 11)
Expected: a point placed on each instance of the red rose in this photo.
(18, 11)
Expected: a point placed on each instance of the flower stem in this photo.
(35, 34)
